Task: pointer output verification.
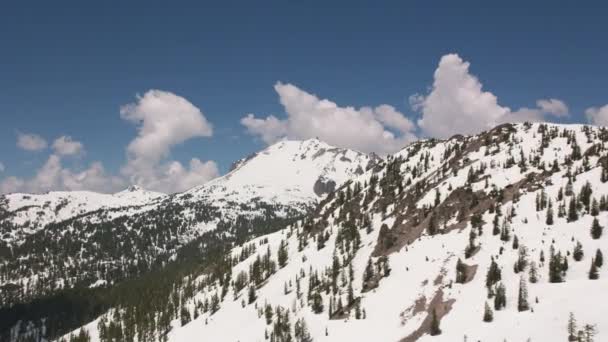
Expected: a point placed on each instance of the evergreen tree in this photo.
(593, 274)
(572, 210)
(555, 268)
(432, 225)
(282, 254)
(301, 332)
(533, 273)
(488, 314)
(460, 272)
(549, 220)
(251, 295)
(572, 330)
(317, 303)
(184, 316)
(596, 229)
(522, 299)
(500, 299)
(494, 274)
(599, 258)
(268, 313)
(578, 253)
(515, 242)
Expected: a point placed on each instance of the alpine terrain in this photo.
(491, 237)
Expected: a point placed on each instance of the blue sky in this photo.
(66, 68)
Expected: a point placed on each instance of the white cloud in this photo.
(553, 106)
(65, 146)
(270, 129)
(597, 116)
(30, 142)
(366, 129)
(457, 103)
(174, 177)
(165, 120)
(53, 176)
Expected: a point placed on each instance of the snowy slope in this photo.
(422, 276)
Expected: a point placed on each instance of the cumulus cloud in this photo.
(269, 129)
(553, 106)
(54, 176)
(597, 115)
(65, 146)
(457, 103)
(165, 120)
(381, 129)
(30, 142)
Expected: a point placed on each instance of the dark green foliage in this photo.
(593, 273)
(522, 299)
(460, 272)
(488, 314)
(599, 258)
(549, 219)
(555, 268)
(578, 253)
(500, 298)
(572, 210)
(251, 295)
(596, 229)
(317, 303)
(494, 274)
(282, 254)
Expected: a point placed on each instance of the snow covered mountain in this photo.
(291, 173)
(64, 240)
(494, 237)
(32, 212)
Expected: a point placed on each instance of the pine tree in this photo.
(589, 332)
(252, 295)
(282, 254)
(572, 211)
(184, 316)
(495, 224)
(500, 299)
(494, 274)
(578, 253)
(595, 208)
(549, 220)
(533, 273)
(593, 274)
(555, 268)
(596, 229)
(432, 226)
(268, 313)
(435, 330)
(522, 299)
(599, 258)
(460, 272)
(572, 330)
(488, 314)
